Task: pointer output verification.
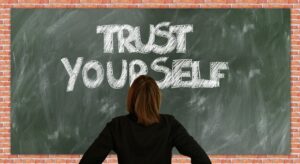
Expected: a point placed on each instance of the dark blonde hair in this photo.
(143, 100)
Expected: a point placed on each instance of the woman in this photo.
(144, 136)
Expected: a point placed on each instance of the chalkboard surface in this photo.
(66, 66)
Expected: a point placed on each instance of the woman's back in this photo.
(144, 136)
(135, 143)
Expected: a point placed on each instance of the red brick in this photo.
(188, 1)
(122, 6)
(216, 5)
(64, 1)
(94, 1)
(126, 1)
(8, 1)
(215, 1)
(149, 5)
(184, 6)
(293, 1)
(277, 1)
(33, 1)
(277, 5)
(156, 1)
(248, 1)
(247, 5)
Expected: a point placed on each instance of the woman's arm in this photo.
(186, 144)
(100, 148)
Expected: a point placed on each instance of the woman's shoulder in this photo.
(118, 118)
(167, 116)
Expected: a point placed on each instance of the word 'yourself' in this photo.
(173, 77)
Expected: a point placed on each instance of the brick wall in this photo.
(6, 5)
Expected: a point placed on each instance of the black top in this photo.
(138, 144)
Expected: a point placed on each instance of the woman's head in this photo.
(144, 98)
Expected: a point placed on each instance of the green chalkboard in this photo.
(224, 74)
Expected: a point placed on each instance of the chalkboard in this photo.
(224, 74)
